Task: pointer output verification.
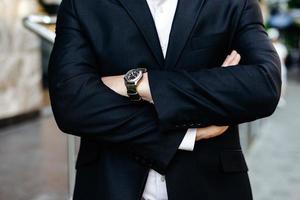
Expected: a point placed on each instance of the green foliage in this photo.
(294, 3)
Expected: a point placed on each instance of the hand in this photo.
(115, 83)
(214, 131)
(210, 132)
(232, 59)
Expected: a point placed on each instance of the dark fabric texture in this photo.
(121, 140)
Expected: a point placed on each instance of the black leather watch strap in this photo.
(132, 92)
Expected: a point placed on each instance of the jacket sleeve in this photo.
(223, 96)
(85, 107)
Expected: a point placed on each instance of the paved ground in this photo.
(33, 160)
(274, 158)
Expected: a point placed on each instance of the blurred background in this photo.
(37, 161)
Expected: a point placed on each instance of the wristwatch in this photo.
(131, 80)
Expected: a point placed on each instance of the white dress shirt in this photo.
(163, 12)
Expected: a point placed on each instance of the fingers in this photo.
(236, 59)
(210, 132)
(232, 59)
(229, 59)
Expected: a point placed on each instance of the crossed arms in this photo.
(116, 83)
(83, 105)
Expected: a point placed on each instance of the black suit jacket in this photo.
(122, 140)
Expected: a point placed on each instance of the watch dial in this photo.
(133, 74)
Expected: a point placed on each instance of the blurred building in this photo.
(20, 61)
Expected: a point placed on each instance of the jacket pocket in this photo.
(233, 161)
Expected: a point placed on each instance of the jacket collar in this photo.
(185, 17)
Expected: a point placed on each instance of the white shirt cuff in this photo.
(189, 140)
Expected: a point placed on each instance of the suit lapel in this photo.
(185, 17)
(141, 14)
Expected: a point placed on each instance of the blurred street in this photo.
(33, 161)
(274, 158)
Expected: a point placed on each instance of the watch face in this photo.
(133, 75)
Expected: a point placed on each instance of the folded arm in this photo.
(223, 96)
(116, 83)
